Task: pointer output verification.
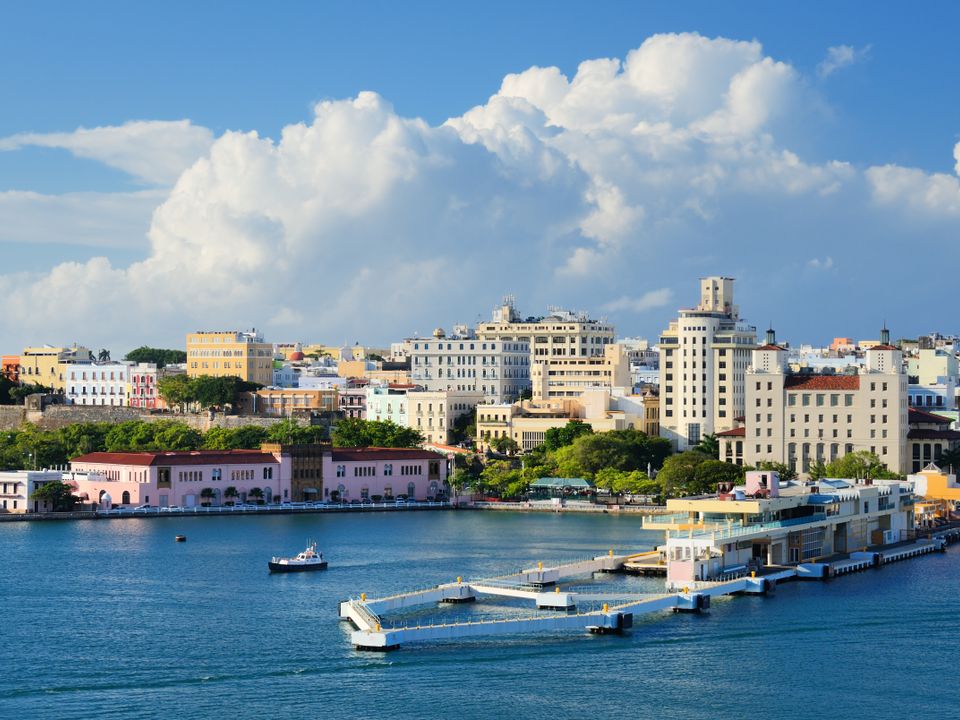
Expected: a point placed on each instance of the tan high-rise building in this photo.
(222, 354)
(703, 357)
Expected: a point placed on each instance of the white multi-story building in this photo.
(802, 418)
(562, 333)
(463, 363)
(17, 487)
(98, 383)
(703, 357)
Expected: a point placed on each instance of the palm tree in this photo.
(231, 492)
(950, 459)
(256, 493)
(709, 445)
(207, 494)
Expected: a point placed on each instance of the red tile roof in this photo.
(373, 454)
(883, 347)
(771, 347)
(822, 382)
(916, 415)
(736, 432)
(189, 457)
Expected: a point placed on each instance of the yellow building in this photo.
(937, 493)
(223, 354)
(45, 365)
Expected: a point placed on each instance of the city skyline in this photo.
(604, 170)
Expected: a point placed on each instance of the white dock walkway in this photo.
(618, 607)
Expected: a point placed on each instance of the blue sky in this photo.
(249, 66)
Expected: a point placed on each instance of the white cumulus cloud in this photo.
(840, 56)
(361, 223)
(154, 152)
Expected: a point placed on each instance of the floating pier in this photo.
(618, 608)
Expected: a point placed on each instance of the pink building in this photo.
(164, 479)
(360, 473)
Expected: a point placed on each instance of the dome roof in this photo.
(439, 333)
(295, 355)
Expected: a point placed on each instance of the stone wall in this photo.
(55, 417)
(11, 416)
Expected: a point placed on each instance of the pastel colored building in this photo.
(384, 402)
(10, 367)
(362, 473)
(223, 354)
(179, 478)
(433, 414)
(284, 402)
(47, 365)
(353, 399)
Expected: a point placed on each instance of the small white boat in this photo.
(309, 559)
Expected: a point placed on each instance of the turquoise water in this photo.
(113, 619)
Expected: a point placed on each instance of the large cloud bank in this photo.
(612, 190)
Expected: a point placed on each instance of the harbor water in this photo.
(113, 619)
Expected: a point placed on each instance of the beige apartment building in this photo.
(802, 418)
(222, 354)
(704, 355)
(556, 378)
(527, 422)
(433, 412)
(562, 333)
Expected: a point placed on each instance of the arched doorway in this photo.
(125, 498)
(268, 495)
(411, 491)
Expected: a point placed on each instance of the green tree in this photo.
(626, 450)
(709, 445)
(678, 474)
(170, 435)
(6, 385)
(290, 432)
(504, 445)
(859, 465)
(710, 473)
(82, 438)
(556, 438)
(354, 432)
(950, 459)
(19, 394)
(496, 478)
(231, 494)
(176, 390)
(37, 448)
(58, 494)
(817, 470)
(247, 437)
(207, 494)
(781, 469)
(257, 494)
(158, 356)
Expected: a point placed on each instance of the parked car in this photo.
(146, 506)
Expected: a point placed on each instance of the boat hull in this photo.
(288, 568)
